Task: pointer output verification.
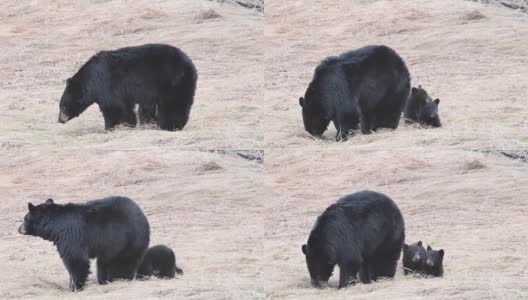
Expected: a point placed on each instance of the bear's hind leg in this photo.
(123, 268)
(384, 262)
(171, 117)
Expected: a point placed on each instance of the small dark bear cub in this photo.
(434, 260)
(421, 108)
(413, 258)
(160, 79)
(362, 233)
(114, 230)
(159, 261)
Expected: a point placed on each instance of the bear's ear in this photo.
(301, 101)
(405, 246)
(31, 207)
(419, 243)
(303, 248)
(437, 101)
(441, 252)
(413, 90)
(49, 201)
(429, 248)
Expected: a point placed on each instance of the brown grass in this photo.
(473, 205)
(206, 206)
(236, 225)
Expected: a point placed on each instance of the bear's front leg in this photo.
(348, 274)
(102, 272)
(79, 268)
(112, 116)
(364, 273)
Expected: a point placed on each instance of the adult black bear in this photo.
(362, 233)
(114, 230)
(159, 261)
(413, 258)
(369, 86)
(161, 79)
(421, 108)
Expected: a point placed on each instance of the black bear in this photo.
(434, 262)
(421, 108)
(114, 230)
(413, 258)
(161, 79)
(361, 233)
(369, 85)
(159, 261)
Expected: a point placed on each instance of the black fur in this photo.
(369, 86)
(413, 258)
(434, 262)
(422, 109)
(161, 79)
(159, 261)
(114, 230)
(361, 233)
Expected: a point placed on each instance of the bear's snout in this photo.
(22, 229)
(63, 118)
(429, 262)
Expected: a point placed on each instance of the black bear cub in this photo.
(114, 230)
(361, 233)
(413, 258)
(364, 88)
(160, 78)
(159, 261)
(422, 109)
(434, 260)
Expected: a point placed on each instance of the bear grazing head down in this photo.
(315, 121)
(72, 103)
(427, 108)
(37, 218)
(320, 266)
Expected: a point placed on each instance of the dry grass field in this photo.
(236, 225)
(473, 205)
(206, 206)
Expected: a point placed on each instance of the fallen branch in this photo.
(507, 3)
(521, 155)
(256, 155)
(251, 6)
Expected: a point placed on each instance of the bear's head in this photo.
(427, 108)
(320, 265)
(314, 116)
(72, 102)
(414, 253)
(434, 261)
(38, 219)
